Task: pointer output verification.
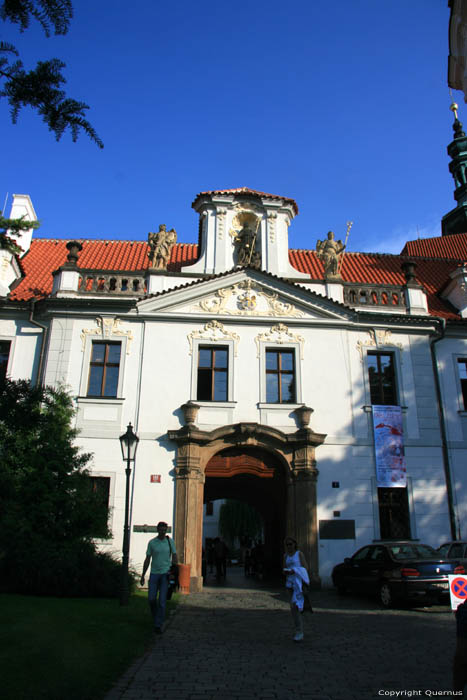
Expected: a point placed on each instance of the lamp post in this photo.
(129, 443)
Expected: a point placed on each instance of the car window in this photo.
(457, 550)
(444, 549)
(413, 551)
(361, 554)
(378, 554)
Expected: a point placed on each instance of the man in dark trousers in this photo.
(161, 553)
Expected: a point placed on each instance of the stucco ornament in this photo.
(247, 299)
(161, 244)
(279, 335)
(244, 232)
(214, 332)
(330, 252)
(107, 328)
(378, 338)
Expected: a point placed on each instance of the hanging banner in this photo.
(389, 447)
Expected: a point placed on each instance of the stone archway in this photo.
(295, 451)
(258, 478)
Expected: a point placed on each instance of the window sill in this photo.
(368, 409)
(100, 399)
(215, 404)
(280, 406)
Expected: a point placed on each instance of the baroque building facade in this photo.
(325, 388)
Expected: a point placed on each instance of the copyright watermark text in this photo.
(419, 693)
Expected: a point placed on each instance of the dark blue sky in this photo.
(343, 106)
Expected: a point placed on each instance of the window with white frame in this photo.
(212, 378)
(280, 376)
(213, 373)
(382, 378)
(104, 369)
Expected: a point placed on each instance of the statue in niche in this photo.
(330, 252)
(247, 253)
(161, 244)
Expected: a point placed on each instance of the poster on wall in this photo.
(389, 447)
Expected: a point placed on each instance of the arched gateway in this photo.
(293, 452)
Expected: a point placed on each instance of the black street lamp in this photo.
(129, 443)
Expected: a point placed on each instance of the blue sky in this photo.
(343, 106)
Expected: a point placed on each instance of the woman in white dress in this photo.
(296, 570)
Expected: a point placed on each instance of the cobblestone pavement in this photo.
(235, 642)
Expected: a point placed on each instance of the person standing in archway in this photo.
(296, 570)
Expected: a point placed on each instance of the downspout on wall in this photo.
(45, 332)
(442, 422)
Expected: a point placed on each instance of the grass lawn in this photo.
(57, 648)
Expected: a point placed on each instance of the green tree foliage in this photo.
(238, 519)
(42, 87)
(13, 226)
(48, 510)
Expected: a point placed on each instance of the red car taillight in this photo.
(410, 572)
(459, 570)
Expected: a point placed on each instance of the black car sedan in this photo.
(397, 572)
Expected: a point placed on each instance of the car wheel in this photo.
(341, 589)
(385, 595)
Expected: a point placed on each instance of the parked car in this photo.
(397, 572)
(454, 550)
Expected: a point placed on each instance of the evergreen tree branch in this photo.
(41, 88)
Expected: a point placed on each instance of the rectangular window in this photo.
(100, 487)
(213, 371)
(104, 369)
(462, 368)
(280, 376)
(382, 378)
(5, 346)
(394, 517)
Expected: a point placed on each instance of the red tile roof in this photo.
(247, 190)
(46, 255)
(374, 268)
(454, 246)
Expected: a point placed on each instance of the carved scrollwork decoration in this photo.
(214, 332)
(106, 328)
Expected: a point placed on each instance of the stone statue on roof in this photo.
(160, 245)
(330, 252)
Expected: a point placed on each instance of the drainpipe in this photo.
(43, 341)
(442, 422)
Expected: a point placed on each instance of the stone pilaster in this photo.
(189, 485)
(303, 499)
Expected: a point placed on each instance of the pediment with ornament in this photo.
(243, 294)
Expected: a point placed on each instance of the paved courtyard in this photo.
(234, 641)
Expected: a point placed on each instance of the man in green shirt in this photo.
(161, 553)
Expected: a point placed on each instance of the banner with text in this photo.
(389, 446)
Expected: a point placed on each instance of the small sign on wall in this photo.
(155, 479)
